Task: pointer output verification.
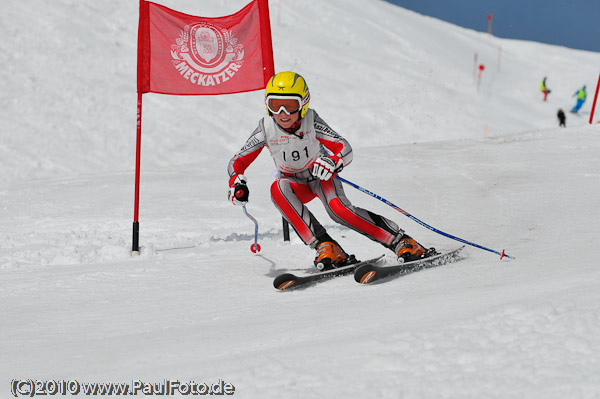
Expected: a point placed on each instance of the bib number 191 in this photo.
(295, 155)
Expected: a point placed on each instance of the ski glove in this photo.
(238, 193)
(325, 167)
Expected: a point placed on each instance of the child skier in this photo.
(308, 154)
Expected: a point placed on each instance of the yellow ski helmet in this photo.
(289, 84)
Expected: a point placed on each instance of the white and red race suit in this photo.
(294, 155)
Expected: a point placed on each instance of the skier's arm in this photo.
(339, 147)
(327, 166)
(244, 157)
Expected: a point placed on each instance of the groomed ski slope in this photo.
(197, 305)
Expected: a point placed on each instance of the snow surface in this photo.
(489, 166)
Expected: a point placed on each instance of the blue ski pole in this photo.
(254, 247)
(364, 190)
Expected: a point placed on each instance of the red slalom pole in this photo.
(135, 246)
(595, 98)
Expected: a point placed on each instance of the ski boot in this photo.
(331, 256)
(408, 250)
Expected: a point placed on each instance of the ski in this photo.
(287, 281)
(368, 273)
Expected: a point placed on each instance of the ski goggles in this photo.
(288, 104)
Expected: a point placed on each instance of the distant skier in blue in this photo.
(581, 95)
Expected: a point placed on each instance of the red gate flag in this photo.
(183, 54)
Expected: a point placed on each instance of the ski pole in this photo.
(364, 190)
(254, 247)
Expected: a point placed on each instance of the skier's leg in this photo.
(339, 208)
(367, 223)
(289, 197)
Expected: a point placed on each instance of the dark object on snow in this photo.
(562, 119)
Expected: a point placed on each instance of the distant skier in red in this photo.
(544, 89)
(308, 153)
